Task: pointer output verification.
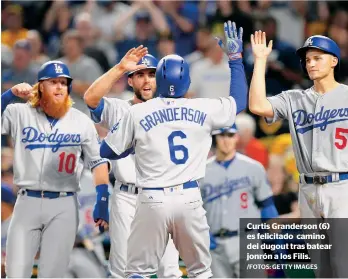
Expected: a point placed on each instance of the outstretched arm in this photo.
(258, 103)
(103, 84)
(234, 49)
(157, 17)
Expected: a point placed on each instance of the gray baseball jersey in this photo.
(123, 205)
(112, 111)
(175, 152)
(232, 192)
(318, 126)
(48, 155)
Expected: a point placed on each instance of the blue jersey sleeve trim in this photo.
(268, 209)
(107, 152)
(97, 112)
(6, 99)
(267, 202)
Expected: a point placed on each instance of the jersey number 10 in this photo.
(67, 163)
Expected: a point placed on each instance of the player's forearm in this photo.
(123, 20)
(101, 174)
(238, 84)
(258, 102)
(185, 25)
(6, 99)
(102, 86)
(158, 19)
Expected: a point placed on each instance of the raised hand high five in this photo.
(259, 46)
(129, 62)
(234, 41)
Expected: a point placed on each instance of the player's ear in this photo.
(40, 87)
(130, 81)
(334, 61)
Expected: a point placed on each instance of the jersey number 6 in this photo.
(70, 162)
(175, 150)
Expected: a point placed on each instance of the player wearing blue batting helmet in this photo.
(227, 131)
(231, 130)
(172, 76)
(149, 60)
(143, 81)
(52, 91)
(321, 43)
(55, 69)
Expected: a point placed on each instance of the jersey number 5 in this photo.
(341, 138)
(176, 150)
(67, 163)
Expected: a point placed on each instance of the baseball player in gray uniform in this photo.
(51, 141)
(171, 136)
(235, 186)
(140, 68)
(318, 120)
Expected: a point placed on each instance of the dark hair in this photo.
(269, 19)
(165, 36)
(205, 28)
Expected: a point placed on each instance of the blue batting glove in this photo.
(213, 243)
(101, 208)
(234, 42)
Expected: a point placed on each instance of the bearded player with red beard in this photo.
(49, 138)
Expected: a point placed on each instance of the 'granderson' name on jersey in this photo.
(172, 114)
(304, 121)
(53, 141)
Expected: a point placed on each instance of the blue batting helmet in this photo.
(232, 129)
(318, 42)
(54, 69)
(172, 76)
(149, 60)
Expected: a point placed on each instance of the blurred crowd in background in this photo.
(92, 36)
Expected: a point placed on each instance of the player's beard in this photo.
(139, 96)
(55, 108)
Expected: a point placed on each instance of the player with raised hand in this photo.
(49, 139)
(171, 136)
(318, 121)
(140, 68)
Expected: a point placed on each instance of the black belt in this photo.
(323, 179)
(224, 233)
(126, 188)
(46, 194)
